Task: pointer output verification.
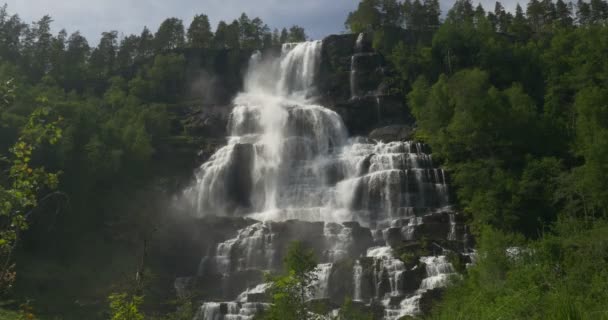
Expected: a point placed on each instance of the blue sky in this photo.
(91, 17)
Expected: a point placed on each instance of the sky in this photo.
(92, 17)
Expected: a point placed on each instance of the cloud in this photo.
(91, 17)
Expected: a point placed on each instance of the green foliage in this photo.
(199, 32)
(561, 276)
(290, 291)
(349, 312)
(125, 307)
(25, 183)
(365, 18)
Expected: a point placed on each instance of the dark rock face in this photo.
(207, 121)
(238, 179)
(429, 298)
(334, 73)
(352, 81)
(182, 241)
(411, 279)
(341, 281)
(392, 133)
(364, 114)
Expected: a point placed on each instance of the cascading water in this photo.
(357, 279)
(290, 159)
(321, 285)
(386, 267)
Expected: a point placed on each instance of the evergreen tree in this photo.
(102, 62)
(414, 14)
(520, 26)
(276, 37)
(599, 11)
(291, 291)
(233, 35)
(563, 14)
(536, 15)
(296, 34)
(502, 18)
(170, 35)
(391, 13)
(366, 18)
(11, 31)
(37, 48)
(199, 33)
(127, 54)
(284, 38)
(583, 13)
(432, 13)
(461, 11)
(221, 34)
(145, 48)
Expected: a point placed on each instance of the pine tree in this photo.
(199, 33)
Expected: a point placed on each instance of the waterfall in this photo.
(357, 279)
(386, 267)
(438, 271)
(359, 42)
(338, 241)
(353, 78)
(288, 158)
(321, 285)
(452, 233)
(253, 248)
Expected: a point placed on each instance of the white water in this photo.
(438, 270)
(253, 246)
(386, 266)
(321, 285)
(357, 279)
(288, 158)
(438, 273)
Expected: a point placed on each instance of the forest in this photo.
(513, 104)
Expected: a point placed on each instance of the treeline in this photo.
(71, 60)
(514, 106)
(540, 15)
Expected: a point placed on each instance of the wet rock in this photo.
(208, 121)
(392, 133)
(334, 71)
(429, 298)
(411, 279)
(341, 281)
(240, 281)
(364, 114)
(238, 180)
(362, 238)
